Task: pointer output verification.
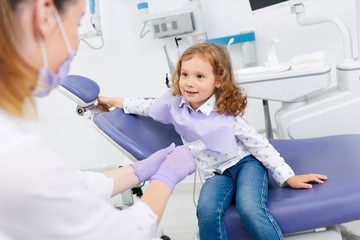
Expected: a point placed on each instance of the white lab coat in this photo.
(43, 197)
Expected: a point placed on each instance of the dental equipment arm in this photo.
(168, 59)
(357, 6)
(95, 22)
(272, 55)
(95, 15)
(299, 10)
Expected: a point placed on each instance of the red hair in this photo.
(229, 97)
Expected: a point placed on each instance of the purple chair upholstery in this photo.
(140, 136)
(334, 202)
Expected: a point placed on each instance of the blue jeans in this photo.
(247, 184)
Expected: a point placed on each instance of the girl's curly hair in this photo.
(229, 97)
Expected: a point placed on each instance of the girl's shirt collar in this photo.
(206, 108)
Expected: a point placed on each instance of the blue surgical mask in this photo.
(47, 81)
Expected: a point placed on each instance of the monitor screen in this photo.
(259, 5)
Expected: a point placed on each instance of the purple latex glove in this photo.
(144, 169)
(180, 163)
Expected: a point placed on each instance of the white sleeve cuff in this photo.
(128, 105)
(139, 106)
(282, 173)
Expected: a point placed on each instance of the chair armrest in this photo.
(83, 91)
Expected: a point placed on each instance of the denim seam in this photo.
(219, 213)
(266, 209)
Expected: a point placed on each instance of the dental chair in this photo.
(301, 213)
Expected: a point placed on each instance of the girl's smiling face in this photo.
(197, 81)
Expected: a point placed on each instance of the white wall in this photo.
(130, 66)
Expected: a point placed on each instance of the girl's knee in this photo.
(208, 213)
(203, 210)
(250, 211)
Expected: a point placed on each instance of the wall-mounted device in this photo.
(173, 25)
(95, 22)
(178, 22)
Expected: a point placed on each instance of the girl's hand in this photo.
(109, 102)
(303, 181)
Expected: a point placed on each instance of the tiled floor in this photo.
(179, 220)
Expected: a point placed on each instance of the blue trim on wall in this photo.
(240, 38)
(142, 5)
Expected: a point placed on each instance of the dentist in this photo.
(42, 195)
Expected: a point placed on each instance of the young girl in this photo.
(205, 103)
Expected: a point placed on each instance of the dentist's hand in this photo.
(180, 163)
(144, 169)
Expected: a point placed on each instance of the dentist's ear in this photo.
(44, 17)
